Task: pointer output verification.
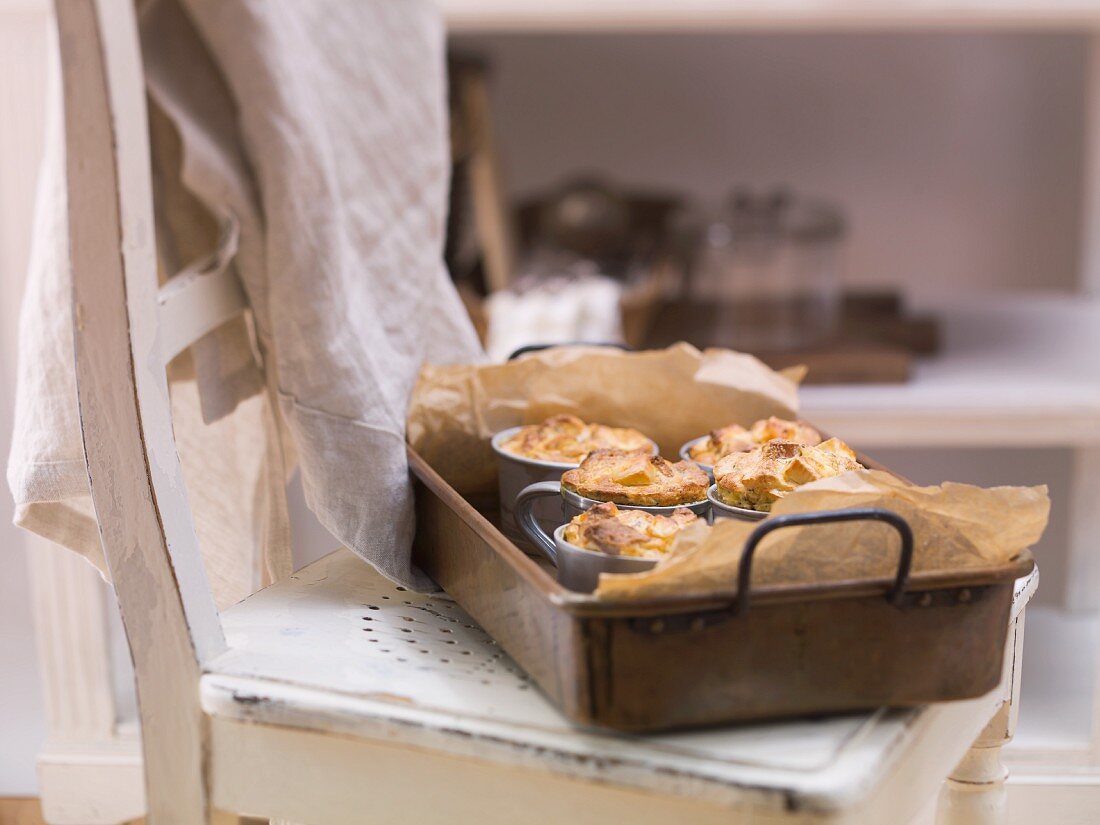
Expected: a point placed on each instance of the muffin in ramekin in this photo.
(748, 484)
(636, 479)
(542, 452)
(708, 449)
(608, 529)
(606, 538)
(567, 439)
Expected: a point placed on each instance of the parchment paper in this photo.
(671, 395)
(955, 526)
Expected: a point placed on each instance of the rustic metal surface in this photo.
(690, 661)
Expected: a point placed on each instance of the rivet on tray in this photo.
(657, 626)
(925, 600)
(964, 595)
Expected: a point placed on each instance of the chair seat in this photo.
(340, 649)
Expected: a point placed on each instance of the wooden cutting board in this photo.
(877, 342)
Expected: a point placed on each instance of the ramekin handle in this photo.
(525, 516)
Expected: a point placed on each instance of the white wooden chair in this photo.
(336, 697)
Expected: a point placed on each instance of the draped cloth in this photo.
(312, 137)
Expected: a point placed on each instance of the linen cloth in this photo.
(317, 131)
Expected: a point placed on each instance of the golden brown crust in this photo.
(636, 478)
(734, 438)
(607, 529)
(762, 476)
(567, 439)
(770, 429)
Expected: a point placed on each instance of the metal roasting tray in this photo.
(676, 662)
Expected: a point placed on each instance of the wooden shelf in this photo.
(708, 15)
(1018, 371)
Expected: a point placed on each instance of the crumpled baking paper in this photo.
(671, 395)
(955, 527)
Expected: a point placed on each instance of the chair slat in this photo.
(200, 299)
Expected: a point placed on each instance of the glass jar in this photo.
(769, 270)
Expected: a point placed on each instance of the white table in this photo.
(1018, 371)
(1014, 372)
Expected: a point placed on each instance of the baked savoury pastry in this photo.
(637, 478)
(760, 477)
(736, 439)
(607, 529)
(567, 439)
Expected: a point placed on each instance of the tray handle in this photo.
(539, 347)
(905, 562)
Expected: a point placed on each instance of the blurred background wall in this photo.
(22, 85)
(958, 156)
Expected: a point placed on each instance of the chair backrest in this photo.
(125, 330)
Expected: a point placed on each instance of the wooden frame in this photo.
(136, 484)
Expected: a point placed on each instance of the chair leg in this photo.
(974, 793)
